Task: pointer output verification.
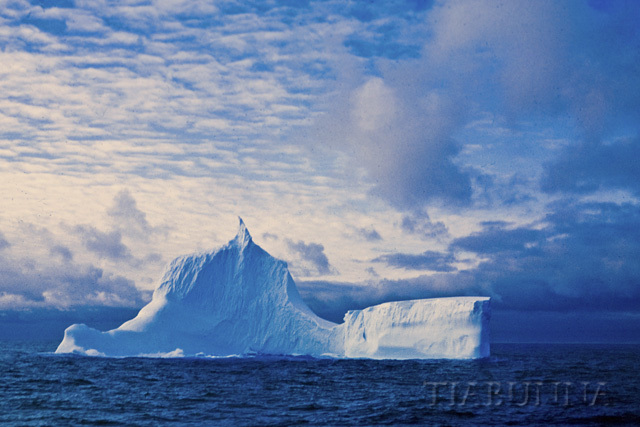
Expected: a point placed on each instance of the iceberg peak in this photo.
(243, 238)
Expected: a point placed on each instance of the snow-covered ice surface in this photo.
(239, 300)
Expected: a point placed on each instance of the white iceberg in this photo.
(239, 300)
(435, 328)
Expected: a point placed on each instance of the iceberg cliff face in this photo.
(240, 300)
(427, 328)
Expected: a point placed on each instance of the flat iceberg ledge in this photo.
(239, 300)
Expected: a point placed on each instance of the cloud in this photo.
(30, 281)
(428, 260)
(75, 265)
(503, 42)
(466, 110)
(583, 258)
(579, 262)
(171, 49)
(369, 234)
(62, 251)
(129, 228)
(404, 142)
(372, 272)
(548, 64)
(495, 238)
(3, 242)
(331, 300)
(521, 63)
(47, 324)
(386, 30)
(311, 258)
(420, 224)
(128, 218)
(595, 166)
(104, 244)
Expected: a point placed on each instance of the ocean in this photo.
(520, 384)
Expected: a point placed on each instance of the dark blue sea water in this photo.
(519, 385)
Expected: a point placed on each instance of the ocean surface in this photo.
(520, 384)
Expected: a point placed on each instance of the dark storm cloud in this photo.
(585, 258)
(428, 260)
(594, 166)
(496, 239)
(596, 73)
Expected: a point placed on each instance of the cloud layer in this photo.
(402, 149)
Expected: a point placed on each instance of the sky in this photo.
(386, 150)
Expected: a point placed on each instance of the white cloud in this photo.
(374, 106)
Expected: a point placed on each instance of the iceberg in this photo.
(436, 328)
(239, 300)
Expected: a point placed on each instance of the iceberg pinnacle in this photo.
(243, 238)
(239, 300)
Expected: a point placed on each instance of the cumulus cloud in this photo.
(520, 62)
(269, 236)
(403, 140)
(128, 224)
